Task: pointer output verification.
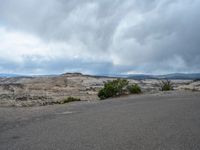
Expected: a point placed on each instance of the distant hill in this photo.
(173, 76)
(4, 75)
(181, 76)
(141, 76)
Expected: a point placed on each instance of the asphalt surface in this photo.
(147, 122)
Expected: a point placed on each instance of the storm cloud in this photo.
(99, 37)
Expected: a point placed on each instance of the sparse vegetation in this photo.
(67, 100)
(118, 87)
(166, 85)
(134, 89)
(194, 89)
(191, 89)
(196, 80)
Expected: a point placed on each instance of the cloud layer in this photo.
(99, 37)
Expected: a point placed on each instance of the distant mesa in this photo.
(72, 74)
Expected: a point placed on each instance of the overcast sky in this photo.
(99, 36)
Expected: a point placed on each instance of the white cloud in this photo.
(110, 36)
(14, 45)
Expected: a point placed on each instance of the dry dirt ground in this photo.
(43, 90)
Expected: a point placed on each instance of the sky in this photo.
(99, 36)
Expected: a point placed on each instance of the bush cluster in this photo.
(116, 88)
(121, 86)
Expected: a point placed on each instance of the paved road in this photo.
(149, 122)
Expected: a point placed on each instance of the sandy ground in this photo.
(37, 91)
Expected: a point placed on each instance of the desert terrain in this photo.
(151, 120)
(44, 90)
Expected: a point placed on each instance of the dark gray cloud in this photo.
(105, 36)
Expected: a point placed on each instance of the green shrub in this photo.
(68, 99)
(118, 87)
(113, 88)
(134, 89)
(166, 85)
